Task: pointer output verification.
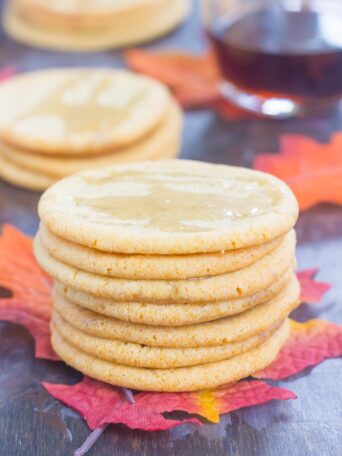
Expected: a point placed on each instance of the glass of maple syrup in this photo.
(279, 58)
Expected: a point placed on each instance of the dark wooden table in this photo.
(33, 424)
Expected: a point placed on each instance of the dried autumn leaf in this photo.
(313, 170)
(20, 272)
(100, 404)
(213, 403)
(30, 287)
(192, 78)
(310, 343)
(311, 291)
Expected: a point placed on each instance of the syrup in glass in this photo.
(295, 54)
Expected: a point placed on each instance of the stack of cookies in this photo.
(170, 275)
(56, 122)
(78, 25)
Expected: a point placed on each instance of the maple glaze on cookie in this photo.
(134, 208)
(177, 202)
(80, 111)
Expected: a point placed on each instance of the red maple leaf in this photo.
(100, 403)
(311, 291)
(313, 170)
(310, 343)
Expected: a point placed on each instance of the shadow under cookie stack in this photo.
(170, 275)
(68, 120)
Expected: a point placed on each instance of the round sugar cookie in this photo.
(169, 267)
(33, 180)
(178, 379)
(217, 332)
(163, 142)
(22, 177)
(83, 28)
(79, 111)
(171, 314)
(78, 14)
(137, 355)
(169, 207)
(243, 282)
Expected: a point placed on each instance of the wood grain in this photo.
(33, 424)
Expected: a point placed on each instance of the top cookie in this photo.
(72, 111)
(169, 207)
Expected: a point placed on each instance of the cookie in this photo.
(34, 180)
(169, 207)
(137, 355)
(244, 282)
(178, 379)
(92, 26)
(169, 267)
(22, 177)
(162, 143)
(79, 111)
(217, 332)
(172, 314)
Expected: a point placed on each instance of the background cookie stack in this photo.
(170, 275)
(56, 122)
(78, 25)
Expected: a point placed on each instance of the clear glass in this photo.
(279, 58)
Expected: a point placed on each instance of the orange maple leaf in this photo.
(313, 170)
(193, 79)
(21, 274)
(30, 289)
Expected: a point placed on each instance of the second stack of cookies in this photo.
(59, 121)
(169, 276)
(84, 26)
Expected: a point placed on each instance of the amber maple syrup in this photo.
(293, 53)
